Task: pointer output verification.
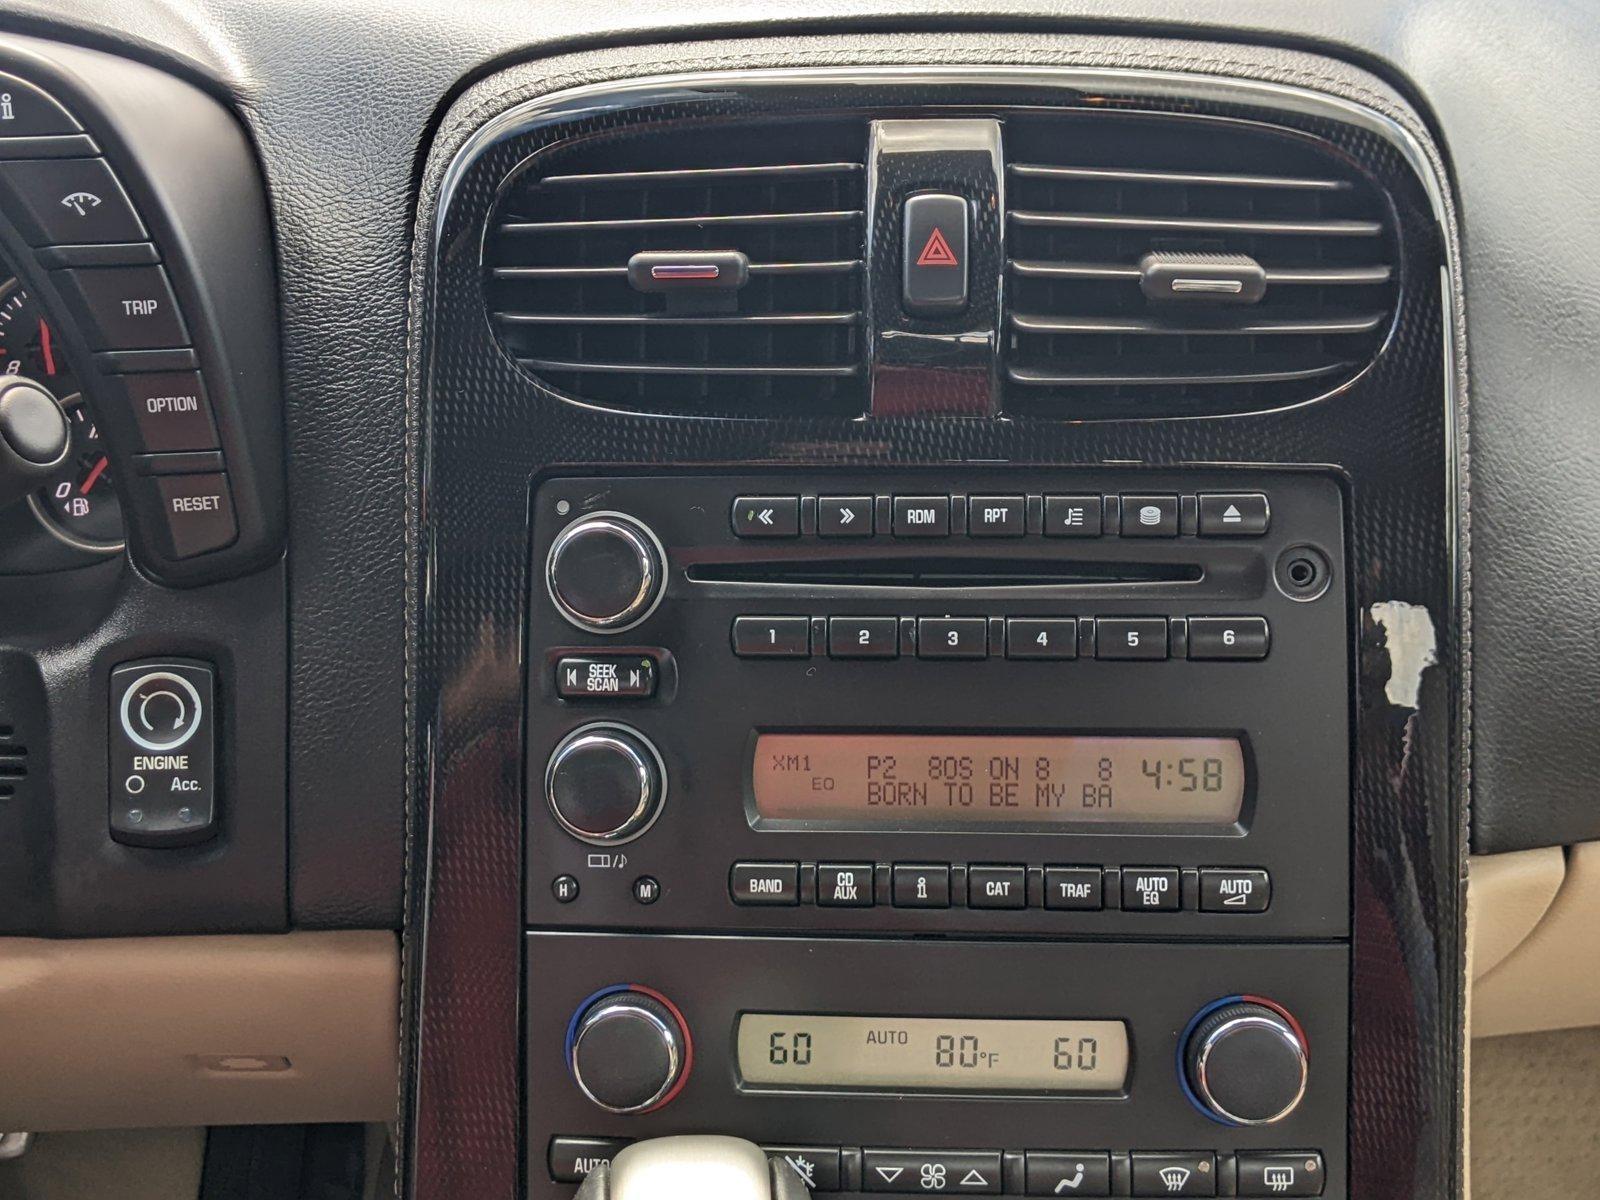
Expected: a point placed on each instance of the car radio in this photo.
(1031, 703)
(965, 833)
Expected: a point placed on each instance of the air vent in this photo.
(1165, 267)
(745, 241)
(13, 763)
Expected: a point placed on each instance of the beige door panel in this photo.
(1534, 918)
(135, 1032)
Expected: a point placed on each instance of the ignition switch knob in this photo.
(604, 572)
(629, 1050)
(605, 784)
(1245, 1062)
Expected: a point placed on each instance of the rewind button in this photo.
(766, 517)
(844, 516)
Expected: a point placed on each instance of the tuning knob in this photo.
(629, 1050)
(605, 783)
(1245, 1062)
(604, 572)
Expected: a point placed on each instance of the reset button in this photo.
(196, 513)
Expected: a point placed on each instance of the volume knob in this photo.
(604, 572)
(605, 784)
(629, 1050)
(1245, 1062)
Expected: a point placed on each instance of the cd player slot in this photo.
(944, 572)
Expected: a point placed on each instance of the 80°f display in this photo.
(998, 779)
(932, 1053)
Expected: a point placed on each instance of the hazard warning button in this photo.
(935, 254)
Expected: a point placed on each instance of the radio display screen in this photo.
(932, 1053)
(997, 781)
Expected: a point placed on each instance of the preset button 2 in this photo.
(864, 637)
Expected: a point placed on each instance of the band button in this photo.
(765, 884)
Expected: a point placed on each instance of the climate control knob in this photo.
(629, 1050)
(1245, 1061)
(605, 572)
(605, 783)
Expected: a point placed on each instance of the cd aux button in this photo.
(764, 884)
(847, 886)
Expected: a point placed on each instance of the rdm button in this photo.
(935, 250)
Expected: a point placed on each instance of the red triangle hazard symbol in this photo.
(937, 252)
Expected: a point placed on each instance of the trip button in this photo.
(922, 516)
(762, 884)
(1177, 1174)
(1065, 1173)
(123, 308)
(945, 1172)
(766, 517)
(26, 111)
(572, 1158)
(844, 516)
(1150, 889)
(772, 637)
(996, 516)
(170, 410)
(196, 513)
(1234, 890)
(1280, 1173)
(848, 886)
(997, 887)
(68, 201)
(1228, 637)
(1234, 514)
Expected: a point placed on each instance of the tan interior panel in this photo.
(1507, 896)
(1552, 979)
(132, 1032)
(1535, 1097)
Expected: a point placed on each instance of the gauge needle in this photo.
(49, 354)
(90, 479)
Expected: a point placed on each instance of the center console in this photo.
(937, 628)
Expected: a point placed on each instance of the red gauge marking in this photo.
(94, 474)
(44, 348)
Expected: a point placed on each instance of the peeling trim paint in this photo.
(1413, 648)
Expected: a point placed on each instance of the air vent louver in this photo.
(13, 763)
(787, 197)
(1160, 266)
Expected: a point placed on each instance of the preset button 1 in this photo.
(772, 637)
